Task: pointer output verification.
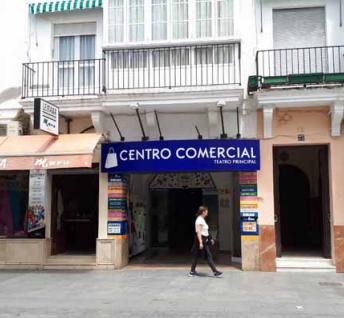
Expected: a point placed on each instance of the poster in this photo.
(117, 205)
(248, 204)
(37, 200)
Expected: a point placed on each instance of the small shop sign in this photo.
(46, 116)
(37, 200)
(249, 223)
(117, 228)
(181, 155)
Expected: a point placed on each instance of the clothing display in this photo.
(13, 205)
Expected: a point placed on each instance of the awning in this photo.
(47, 152)
(60, 6)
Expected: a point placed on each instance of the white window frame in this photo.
(56, 51)
(77, 51)
(148, 25)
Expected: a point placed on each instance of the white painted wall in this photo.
(13, 19)
(41, 31)
(174, 125)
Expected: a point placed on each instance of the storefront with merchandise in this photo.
(43, 179)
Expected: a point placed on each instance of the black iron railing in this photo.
(135, 68)
(173, 66)
(63, 78)
(299, 61)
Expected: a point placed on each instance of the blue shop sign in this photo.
(181, 155)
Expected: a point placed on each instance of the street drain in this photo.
(330, 284)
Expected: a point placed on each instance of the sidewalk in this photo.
(134, 292)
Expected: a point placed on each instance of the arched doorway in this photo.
(295, 211)
(302, 201)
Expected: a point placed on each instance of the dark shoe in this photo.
(218, 274)
(192, 274)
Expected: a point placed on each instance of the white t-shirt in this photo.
(205, 227)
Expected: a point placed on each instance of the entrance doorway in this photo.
(74, 224)
(163, 209)
(302, 212)
(179, 219)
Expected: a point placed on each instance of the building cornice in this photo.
(310, 97)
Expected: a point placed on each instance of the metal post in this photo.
(238, 123)
(198, 133)
(161, 137)
(144, 136)
(223, 135)
(118, 130)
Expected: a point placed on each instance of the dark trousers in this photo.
(204, 253)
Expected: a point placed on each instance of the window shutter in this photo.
(302, 27)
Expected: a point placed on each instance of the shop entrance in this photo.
(183, 205)
(74, 224)
(163, 211)
(302, 212)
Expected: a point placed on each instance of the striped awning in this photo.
(66, 5)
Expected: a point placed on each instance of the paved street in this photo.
(169, 293)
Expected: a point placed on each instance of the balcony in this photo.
(129, 69)
(63, 78)
(307, 66)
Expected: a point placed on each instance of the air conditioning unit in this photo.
(14, 128)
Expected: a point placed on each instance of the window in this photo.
(180, 19)
(76, 56)
(224, 17)
(203, 18)
(87, 54)
(129, 59)
(14, 197)
(204, 55)
(136, 20)
(220, 54)
(116, 21)
(291, 31)
(223, 54)
(171, 57)
(66, 56)
(159, 19)
(180, 56)
(66, 48)
(161, 58)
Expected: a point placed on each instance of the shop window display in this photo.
(14, 195)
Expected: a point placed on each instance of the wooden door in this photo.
(277, 214)
(325, 202)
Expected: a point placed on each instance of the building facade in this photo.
(158, 70)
